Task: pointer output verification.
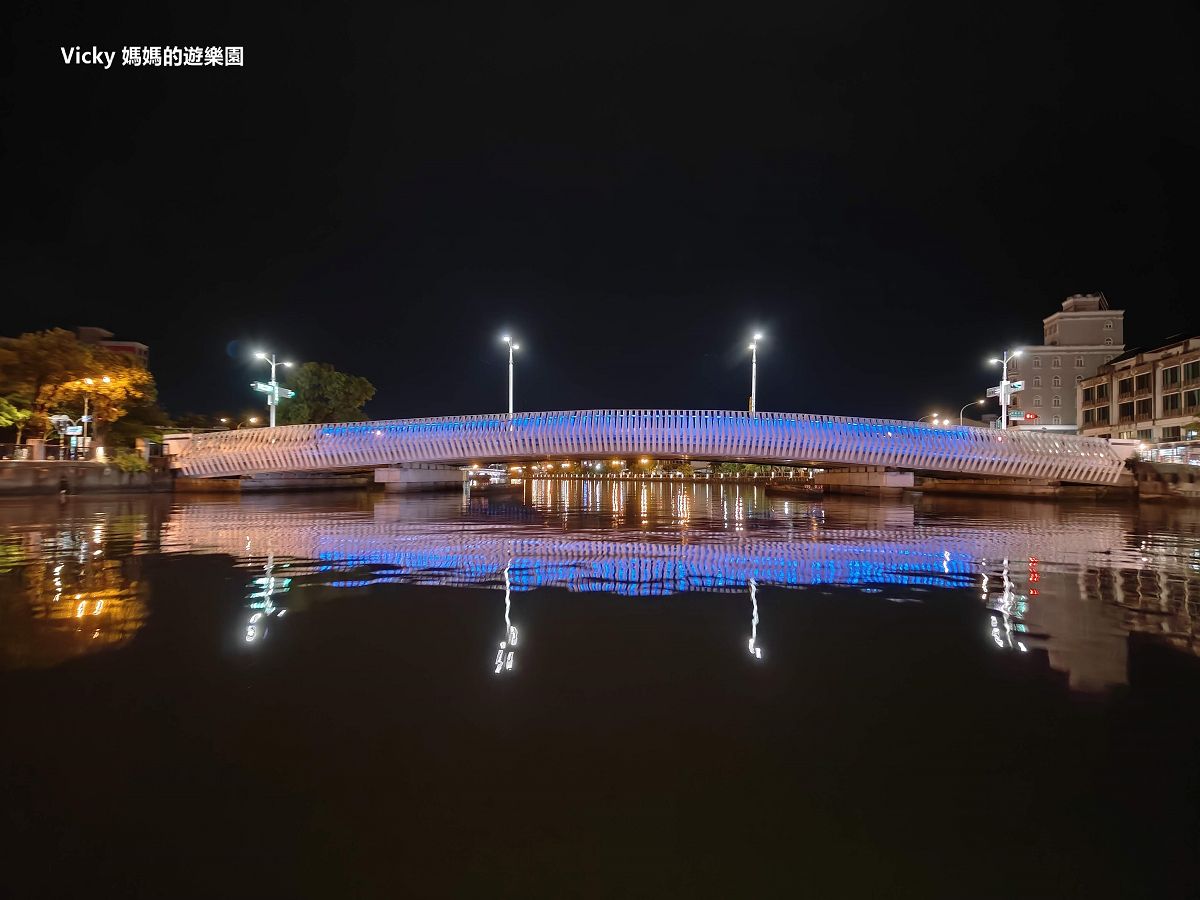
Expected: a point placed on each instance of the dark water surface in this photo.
(604, 690)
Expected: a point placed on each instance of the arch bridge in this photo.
(714, 435)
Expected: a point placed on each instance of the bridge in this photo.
(714, 435)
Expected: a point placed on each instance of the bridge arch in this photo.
(764, 437)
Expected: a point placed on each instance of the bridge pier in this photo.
(874, 480)
(414, 477)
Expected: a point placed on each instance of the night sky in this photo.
(889, 191)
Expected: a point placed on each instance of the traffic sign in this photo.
(1016, 386)
(281, 392)
(1016, 414)
(71, 430)
(993, 392)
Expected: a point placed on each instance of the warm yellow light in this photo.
(253, 420)
(645, 460)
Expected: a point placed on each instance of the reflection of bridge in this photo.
(696, 434)
(366, 551)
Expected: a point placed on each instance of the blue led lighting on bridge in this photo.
(695, 434)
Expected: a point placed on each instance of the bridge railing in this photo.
(789, 438)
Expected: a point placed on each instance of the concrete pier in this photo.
(413, 477)
(875, 480)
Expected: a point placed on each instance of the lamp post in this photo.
(511, 347)
(933, 416)
(964, 409)
(273, 396)
(84, 421)
(253, 420)
(1004, 360)
(754, 372)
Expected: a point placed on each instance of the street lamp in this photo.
(253, 420)
(273, 396)
(511, 348)
(933, 416)
(964, 409)
(1004, 360)
(84, 421)
(754, 372)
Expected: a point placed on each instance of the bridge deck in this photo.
(787, 438)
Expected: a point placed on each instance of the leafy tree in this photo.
(35, 365)
(47, 371)
(143, 419)
(11, 415)
(113, 384)
(323, 394)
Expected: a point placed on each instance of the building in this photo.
(1150, 395)
(101, 338)
(1085, 335)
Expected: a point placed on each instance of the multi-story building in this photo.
(103, 338)
(1076, 342)
(1150, 395)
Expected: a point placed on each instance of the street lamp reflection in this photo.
(507, 651)
(752, 644)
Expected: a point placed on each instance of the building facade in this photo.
(1151, 395)
(1076, 342)
(101, 337)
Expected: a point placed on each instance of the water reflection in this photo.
(752, 644)
(507, 651)
(70, 587)
(1071, 582)
(262, 605)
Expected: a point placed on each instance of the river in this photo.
(604, 688)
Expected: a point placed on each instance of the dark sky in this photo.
(890, 191)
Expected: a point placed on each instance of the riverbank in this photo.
(19, 478)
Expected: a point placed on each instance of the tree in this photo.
(143, 419)
(11, 415)
(114, 383)
(323, 394)
(34, 365)
(46, 372)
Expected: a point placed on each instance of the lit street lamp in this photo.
(1004, 360)
(511, 347)
(964, 409)
(273, 394)
(933, 416)
(754, 372)
(253, 420)
(86, 418)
